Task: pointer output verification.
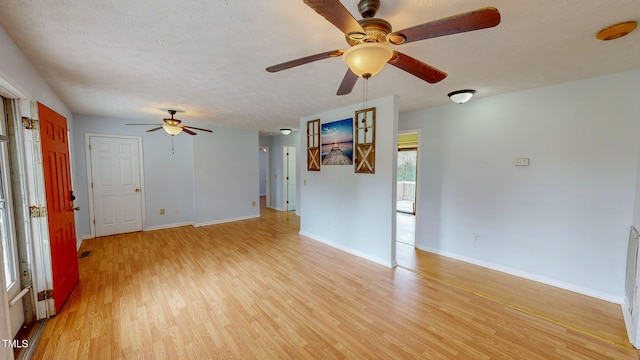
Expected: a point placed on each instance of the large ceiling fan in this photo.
(172, 126)
(370, 38)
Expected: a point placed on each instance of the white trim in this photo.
(526, 275)
(267, 170)
(225, 220)
(629, 322)
(168, 226)
(87, 142)
(9, 90)
(389, 264)
(416, 225)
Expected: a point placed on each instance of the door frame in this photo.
(35, 237)
(267, 173)
(87, 150)
(28, 160)
(416, 203)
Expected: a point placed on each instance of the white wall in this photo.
(168, 178)
(565, 218)
(354, 212)
(226, 176)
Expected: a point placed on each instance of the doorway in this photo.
(406, 187)
(264, 187)
(289, 178)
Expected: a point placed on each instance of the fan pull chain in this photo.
(365, 95)
(172, 150)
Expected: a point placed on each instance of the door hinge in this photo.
(29, 124)
(46, 294)
(36, 212)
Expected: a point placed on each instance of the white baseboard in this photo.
(523, 274)
(358, 253)
(226, 220)
(167, 226)
(81, 239)
(629, 323)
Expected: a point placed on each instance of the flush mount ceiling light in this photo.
(285, 131)
(461, 96)
(367, 59)
(616, 31)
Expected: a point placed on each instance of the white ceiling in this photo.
(136, 59)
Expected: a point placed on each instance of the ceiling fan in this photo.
(369, 40)
(172, 126)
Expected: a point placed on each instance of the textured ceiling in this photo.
(136, 59)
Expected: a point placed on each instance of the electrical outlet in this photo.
(161, 211)
(253, 203)
(521, 162)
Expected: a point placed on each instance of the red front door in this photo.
(57, 179)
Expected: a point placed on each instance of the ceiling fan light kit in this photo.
(461, 96)
(367, 59)
(370, 38)
(172, 129)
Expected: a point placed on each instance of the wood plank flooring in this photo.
(257, 289)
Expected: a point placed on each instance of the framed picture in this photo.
(365, 125)
(313, 145)
(337, 142)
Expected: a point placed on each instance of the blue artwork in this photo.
(337, 142)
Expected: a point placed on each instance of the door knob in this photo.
(137, 190)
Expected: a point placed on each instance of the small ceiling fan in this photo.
(369, 40)
(172, 126)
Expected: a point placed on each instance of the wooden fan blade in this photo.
(417, 68)
(146, 124)
(473, 20)
(197, 128)
(348, 82)
(305, 60)
(154, 129)
(184, 128)
(337, 14)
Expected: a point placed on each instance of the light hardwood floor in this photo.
(257, 289)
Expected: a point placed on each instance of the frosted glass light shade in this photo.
(285, 131)
(461, 96)
(172, 130)
(367, 58)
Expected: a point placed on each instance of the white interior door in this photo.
(115, 183)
